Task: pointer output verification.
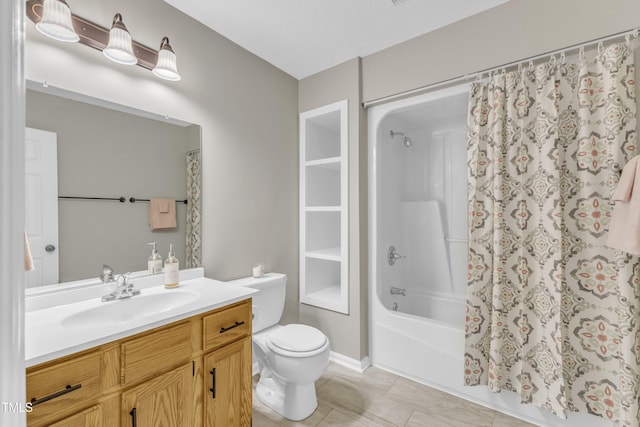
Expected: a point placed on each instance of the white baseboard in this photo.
(348, 362)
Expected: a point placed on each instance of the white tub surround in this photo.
(57, 325)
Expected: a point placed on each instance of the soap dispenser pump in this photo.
(154, 264)
(171, 269)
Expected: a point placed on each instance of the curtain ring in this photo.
(530, 65)
(563, 58)
(552, 60)
(520, 68)
(627, 39)
(581, 55)
(600, 48)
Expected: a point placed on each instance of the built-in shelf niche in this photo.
(324, 269)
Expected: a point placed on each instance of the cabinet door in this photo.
(91, 417)
(227, 391)
(165, 401)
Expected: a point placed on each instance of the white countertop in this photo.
(49, 336)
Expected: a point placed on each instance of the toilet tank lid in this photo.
(298, 338)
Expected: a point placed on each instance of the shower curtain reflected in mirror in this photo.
(552, 313)
(194, 224)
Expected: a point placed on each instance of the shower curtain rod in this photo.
(467, 77)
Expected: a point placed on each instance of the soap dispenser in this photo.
(154, 264)
(171, 269)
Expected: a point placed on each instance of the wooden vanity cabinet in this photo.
(161, 377)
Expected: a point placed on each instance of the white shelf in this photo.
(323, 208)
(324, 237)
(329, 297)
(329, 254)
(329, 163)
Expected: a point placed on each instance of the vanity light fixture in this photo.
(115, 43)
(166, 67)
(120, 48)
(56, 21)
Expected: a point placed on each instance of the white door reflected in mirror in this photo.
(41, 205)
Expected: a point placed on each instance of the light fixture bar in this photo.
(95, 36)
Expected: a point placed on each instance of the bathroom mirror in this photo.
(106, 152)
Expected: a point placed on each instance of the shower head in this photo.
(406, 141)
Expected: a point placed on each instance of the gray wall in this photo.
(247, 110)
(347, 333)
(106, 153)
(510, 32)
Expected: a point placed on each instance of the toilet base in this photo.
(293, 401)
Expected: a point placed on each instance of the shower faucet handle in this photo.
(393, 255)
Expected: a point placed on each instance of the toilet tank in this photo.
(268, 303)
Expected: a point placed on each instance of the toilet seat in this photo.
(297, 340)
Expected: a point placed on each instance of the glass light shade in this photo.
(166, 67)
(120, 48)
(56, 21)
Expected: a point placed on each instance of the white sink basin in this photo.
(128, 309)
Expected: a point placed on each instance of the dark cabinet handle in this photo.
(213, 383)
(67, 389)
(134, 418)
(235, 325)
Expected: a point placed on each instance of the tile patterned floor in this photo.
(379, 398)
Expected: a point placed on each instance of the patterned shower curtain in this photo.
(552, 313)
(194, 225)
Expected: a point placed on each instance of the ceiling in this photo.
(303, 37)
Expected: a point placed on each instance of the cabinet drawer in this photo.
(61, 389)
(227, 325)
(156, 352)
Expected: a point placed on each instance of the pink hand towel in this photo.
(28, 259)
(162, 214)
(624, 231)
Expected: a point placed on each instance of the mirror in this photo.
(106, 152)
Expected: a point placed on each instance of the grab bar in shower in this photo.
(398, 291)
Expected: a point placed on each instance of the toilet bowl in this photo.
(289, 358)
(293, 364)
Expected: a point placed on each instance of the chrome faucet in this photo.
(123, 290)
(393, 255)
(398, 291)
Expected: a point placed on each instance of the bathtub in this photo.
(443, 309)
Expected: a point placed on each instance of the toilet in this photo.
(289, 358)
